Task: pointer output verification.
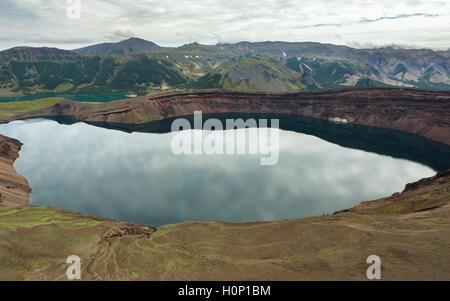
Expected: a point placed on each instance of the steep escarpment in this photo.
(425, 113)
(14, 188)
(408, 230)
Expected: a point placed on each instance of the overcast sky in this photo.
(362, 23)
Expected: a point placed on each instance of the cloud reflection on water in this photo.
(135, 177)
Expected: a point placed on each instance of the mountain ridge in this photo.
(131, 45)
(403, 227)
(420, 112)
(143, 67)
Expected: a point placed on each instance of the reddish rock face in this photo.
(9, 148)
(286, 242)
(14, 189)
(425, 113)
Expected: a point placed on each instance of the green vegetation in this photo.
(144, 71)
(81, 97)
(368, 82)
(33, 216)
(208, 81)
(142, 67)
(400, 69)
(96, 74)
(319, 73)
(35, 242)
(14, 109)
(251, 74)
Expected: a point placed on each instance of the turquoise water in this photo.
(102, 97)
(136, 177)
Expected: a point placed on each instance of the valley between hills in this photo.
(142, 67)
(408, 230)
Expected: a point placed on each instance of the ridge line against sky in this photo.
(358, 24)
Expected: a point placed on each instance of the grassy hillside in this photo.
(17, 108)
(142, 67)
(319, 73)
(56, 74)
(408, 231)
(251, 74)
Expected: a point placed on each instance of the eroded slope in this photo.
(425, 113)
(409, 231)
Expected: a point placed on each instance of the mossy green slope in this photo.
(251, 74)
(17, 108)
(142, 67)
(408, 231)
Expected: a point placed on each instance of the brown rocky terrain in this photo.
(409, 231)
(426, 113)
(14, 188)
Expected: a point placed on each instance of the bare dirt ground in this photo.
(408, 231)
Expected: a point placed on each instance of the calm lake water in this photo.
(136, 177)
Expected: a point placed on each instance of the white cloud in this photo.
(175, 22)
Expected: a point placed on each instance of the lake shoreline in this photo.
(421, 112)
(266, 242)
(390, 227)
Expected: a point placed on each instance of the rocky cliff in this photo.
(425, 113)
(14, 188)
(408, 230)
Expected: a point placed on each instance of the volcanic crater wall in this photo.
(425, 113)
(14, 188)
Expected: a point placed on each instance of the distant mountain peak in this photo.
(255, 66)
(135, 40)
(131, 45)
(35, 53)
